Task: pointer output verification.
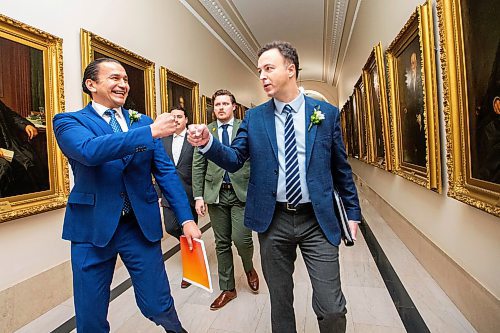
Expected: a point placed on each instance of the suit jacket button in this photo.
(274, 194)
(275, 172)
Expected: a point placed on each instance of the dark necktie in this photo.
(127, 206)
(293, 190)
(225, 142)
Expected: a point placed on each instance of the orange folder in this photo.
(195, 268)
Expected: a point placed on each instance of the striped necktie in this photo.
(113, 122)
(293, 190)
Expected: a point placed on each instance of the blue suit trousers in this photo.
(93, 269)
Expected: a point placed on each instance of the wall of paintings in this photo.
(425, 117)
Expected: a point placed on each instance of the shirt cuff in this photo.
(182, 224)
(198, 198)
(203, 150)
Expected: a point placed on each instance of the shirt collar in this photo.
(295, 104)
(181, 134)
(100, 109)
(230, 122)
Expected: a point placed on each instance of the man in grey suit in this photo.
(181, 153)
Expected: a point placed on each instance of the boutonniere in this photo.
(134, 116)
(316, 118)
(214, 129)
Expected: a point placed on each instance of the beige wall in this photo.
(467, 235)
(164, 32)
(325, 89)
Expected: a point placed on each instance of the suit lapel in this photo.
(270, 125)
(130, 126)
(92, 114)
(310, 134)
(184, 149)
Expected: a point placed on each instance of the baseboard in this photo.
(477, 304)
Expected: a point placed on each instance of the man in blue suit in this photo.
(113, 207)
(298, 158)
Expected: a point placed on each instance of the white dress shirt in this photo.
(177, 142)
(100, 109)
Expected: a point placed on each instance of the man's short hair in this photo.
(287, 51)
(92, 72)
(222, 92)
(178, 107)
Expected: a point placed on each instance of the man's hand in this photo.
(354, 229)
(200, 207)
(198, 135)
(191, 230)
(163, 126)
(31, 131)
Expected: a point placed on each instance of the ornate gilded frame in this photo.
(374, 74)
(167, 76)
(207, 110)
(343, 126)
(92, 44)
(419, 27)
(462, 186)
(55, 197)
(363, 137)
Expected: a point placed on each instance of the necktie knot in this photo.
(287, 109)
(110, 112)
(225, 126)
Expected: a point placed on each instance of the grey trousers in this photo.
(227, 223)
(278, 251)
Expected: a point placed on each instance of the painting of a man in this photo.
(22, 173)
(412, 105)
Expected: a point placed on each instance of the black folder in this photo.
(343, 220)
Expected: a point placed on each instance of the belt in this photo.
(226, 186)
(300, 209)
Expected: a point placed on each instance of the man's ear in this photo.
(291, 70)
(90, 85)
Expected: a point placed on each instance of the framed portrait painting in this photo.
(354, 118)
(33, 172)
(413, 98)
(179, 91)
(140, 71)
(207, 110)
(360, 99)
(470, 60)
(379, 147)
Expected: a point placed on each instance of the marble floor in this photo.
(370, 307)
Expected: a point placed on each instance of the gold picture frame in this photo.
(36, 178)
(363, 137)
(140, 71)
(378, 127)
(207, 110)
(185, 92)
(343, 127)
(413, 100)
(471, 100)
(355, 151)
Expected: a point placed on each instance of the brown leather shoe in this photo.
(185, 284)
(253, 280)
(225, 297)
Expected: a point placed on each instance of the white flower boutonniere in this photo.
(134, 116)
(316, 118)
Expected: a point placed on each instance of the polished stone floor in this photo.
(370, 306)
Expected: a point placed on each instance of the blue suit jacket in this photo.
(106, 165)
(326, 166)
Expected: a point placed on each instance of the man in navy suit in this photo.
(113, 206)
(298, 158)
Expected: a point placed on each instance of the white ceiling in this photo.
(319, 29)
(296, 21)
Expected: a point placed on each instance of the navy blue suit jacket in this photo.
(105, 165)
(326, 166)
